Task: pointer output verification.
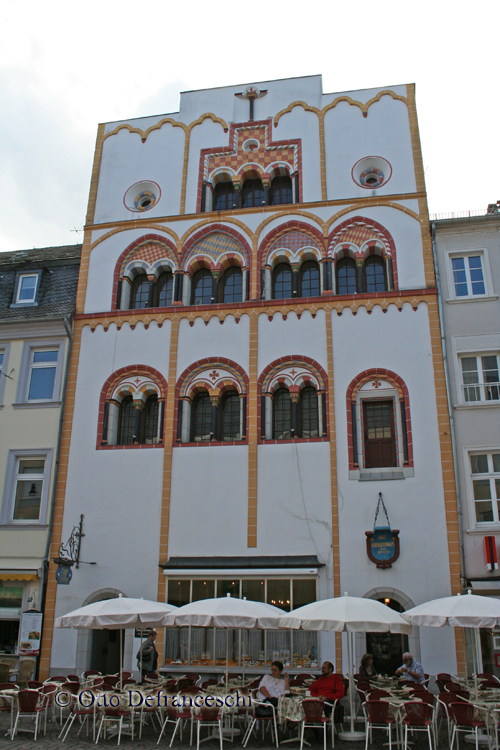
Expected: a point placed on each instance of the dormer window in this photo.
(27, 288)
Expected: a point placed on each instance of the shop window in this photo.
(374, 274)
(201, 293)
(480, 378)
(224, 197)
(139, 296)
(201, 418)
(485, 478)
(309, 279)
(163, 290)
(252, 194)
(281, 191)
(380, 444)
(231, 288)
(282, 281)
(346, 276)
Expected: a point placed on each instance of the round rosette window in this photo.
(142, 196)
(371, 172)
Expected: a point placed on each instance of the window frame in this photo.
(25, 370)
(375, 260)
(306, 266)
(17, 287)
(10, 486)
(345, 263)
(5, 350)
(482, 252)
(274, 279)
(481, 385)
(468, 452)
(230, 272)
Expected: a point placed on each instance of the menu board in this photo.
(30, 633)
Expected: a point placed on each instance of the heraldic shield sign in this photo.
(382, 544)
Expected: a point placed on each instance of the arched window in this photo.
(252, 193)
(201, 418)
(374, 273)
(346, 276)
(202, 288)
(309, 279)
(308, 413)
(224, 197)
(231, 288)
(282, 414)
(281, 191)
(282, 281)
(139, 297)
(126, 422)
(230, 417)
(151, 413)
(163, 290)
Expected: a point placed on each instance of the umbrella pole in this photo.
(121, 660)
(352, 735)
(227, 655)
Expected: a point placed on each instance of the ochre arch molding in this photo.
(353, 102)
(368, 204)
(194, 233)
(356, 383)
(128, 253)
(211, 229)
(157, 227)
(292, 211)
(144, 133)
(113, 381)
(379, 229)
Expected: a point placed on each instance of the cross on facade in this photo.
(251, 94)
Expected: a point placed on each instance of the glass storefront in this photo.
(11, 601)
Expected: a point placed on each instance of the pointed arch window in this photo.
(201, 418)
(232, 285)
(224, 197)
(163, 290)
(202, 288)
(309, 279)
(374, 274)
(346, 276)
(230, 416)
(282, 281)
(139, 297)
(252, 193)
(282, 414)
(281, 191)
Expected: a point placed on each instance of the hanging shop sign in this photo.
(64, 574)
(30, 633)
(382, 544)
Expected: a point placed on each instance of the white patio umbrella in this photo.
(113, 614)
(225, 612)
(469, 611)
(354, 615)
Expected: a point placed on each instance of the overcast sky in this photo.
(66, 66)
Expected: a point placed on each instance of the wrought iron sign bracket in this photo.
(69, 553)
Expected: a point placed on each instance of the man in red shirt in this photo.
(329, 687)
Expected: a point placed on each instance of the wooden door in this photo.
(380, 443)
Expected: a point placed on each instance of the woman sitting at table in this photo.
(272, 687)
(367, 670)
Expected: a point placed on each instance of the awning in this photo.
(15, 575)
(491, 585)
(246, 562)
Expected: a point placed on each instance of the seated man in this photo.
(410, 669)
(329, 687)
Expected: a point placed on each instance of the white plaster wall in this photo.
(206, 135)
(304, 337)
(198, 341)
(349, 137)
(209, 501)
(127, 160)
(304, 125)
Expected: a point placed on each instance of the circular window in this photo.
(371, 172)
(142, 196)
(252, 144)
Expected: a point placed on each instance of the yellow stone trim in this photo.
(290, 212)
(298, 103)
(253, 376)
(415, 139)
(157, 227)
(168, 437)
(333, 476)
(204, 222)
(48, 625)
(94, 179)
(144, 133)
(364, 107)
(373, 202)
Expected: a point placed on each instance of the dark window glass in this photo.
(178, 592)
(224, 196)
(202, 288)
(230, 416)
(164, 287)
(281, 191)
(252, 193)
(139, 297)
(232, 285)
(374, 274)
(151, 427)
(202, 418)
(309, 279)
(282, 281)
(380, 444)
(282, 414)
(127, 421)
(346, 276)
(309, 422)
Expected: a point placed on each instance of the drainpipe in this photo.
(45, 568)
(450, 408)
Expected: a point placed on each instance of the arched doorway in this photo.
(100, 649)
(387, 648)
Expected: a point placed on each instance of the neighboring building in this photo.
(256, 357)
(468, 259)
(37, 302)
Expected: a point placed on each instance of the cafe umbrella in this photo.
(351, 614)
(117, 613)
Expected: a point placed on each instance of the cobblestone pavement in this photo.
(24, 741)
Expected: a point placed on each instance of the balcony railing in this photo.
(481, 392)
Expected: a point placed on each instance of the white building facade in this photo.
(257, 357)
